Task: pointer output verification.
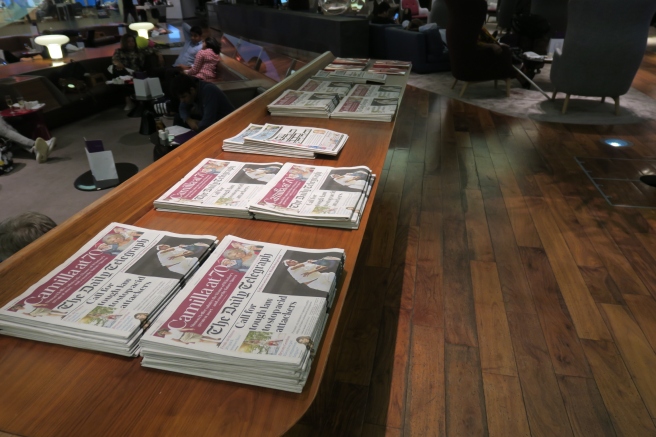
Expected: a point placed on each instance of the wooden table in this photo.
(50, 390)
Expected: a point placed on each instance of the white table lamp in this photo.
(142, 28)
(54, 43)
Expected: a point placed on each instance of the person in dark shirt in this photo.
(383, 14)
(201, 104)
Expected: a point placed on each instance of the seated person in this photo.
(207, 59)
(46, 9)
(40, 147)
(383, 14)
(201, 103)
(17, 232)
(130, 57)
(193, 44)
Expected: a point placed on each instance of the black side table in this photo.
(125, 170)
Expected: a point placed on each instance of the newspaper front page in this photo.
(257, 305)
(218, 187)
(110, 288)
(366, 108)
(318, 86)
(303, 193)
(313, 139)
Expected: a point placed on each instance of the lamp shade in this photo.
(54, 43)
(142, 28)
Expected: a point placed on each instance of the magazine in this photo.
(216, 187)
(304, 104)
(253, 314)
(318, 86)
(103, 296)
(315, 195)
(366, 108)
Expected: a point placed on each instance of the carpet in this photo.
(635, 106)
(48, 188)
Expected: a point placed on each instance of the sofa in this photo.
(425, 50)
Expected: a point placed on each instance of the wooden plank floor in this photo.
(497, 293)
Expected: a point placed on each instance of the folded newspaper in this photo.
(366, 108)
(216, 187)
(315, 196)
(294, 103)
(291, 141)
(103, 296)
(254, 314)
(319, 86)
(350, 76)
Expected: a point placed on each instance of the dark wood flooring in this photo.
(497, 292)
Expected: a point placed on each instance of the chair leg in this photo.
(507, 87)
(603, 99)
(464, 87)
(553, 96)
(454, 84)
(617, 105)
(565, 104)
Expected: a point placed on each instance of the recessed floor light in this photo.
(616, 142)
(649, 180)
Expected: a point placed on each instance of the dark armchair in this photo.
(470, 61)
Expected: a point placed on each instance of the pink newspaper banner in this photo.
(351, 105)
(360, 91)
(288, 99)
(199, 310)
(71, 278)
(284, 192)
(197, 182)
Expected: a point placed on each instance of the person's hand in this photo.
(119, 65)
(193, 124)
(184, 67)
(497, 49)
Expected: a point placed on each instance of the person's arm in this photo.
(117, 59)
(186, 31)
(198, 64)
(215, 106)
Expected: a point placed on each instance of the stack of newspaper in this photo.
(103, 296)
(319, 86)
(216, 187)
(304, 104)
(254, 314)
(354, 64)
(280, 140)
(315, 196)
(369, 102)
(391, 67)
(350, 76)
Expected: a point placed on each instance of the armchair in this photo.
(471, 62)
(603, 48)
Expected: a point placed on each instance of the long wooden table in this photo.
(51, 390)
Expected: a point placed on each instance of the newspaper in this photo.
(217, 187)
(314, 139)
(318, 86)
(108, 290)
(394, 71)
(357, 76)
(351, 61)
(378, 91)
(391, 63)
(318, 195)
(344, 67)
(238, 139)
(366, 108)
(304, 104)
(254, 308)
